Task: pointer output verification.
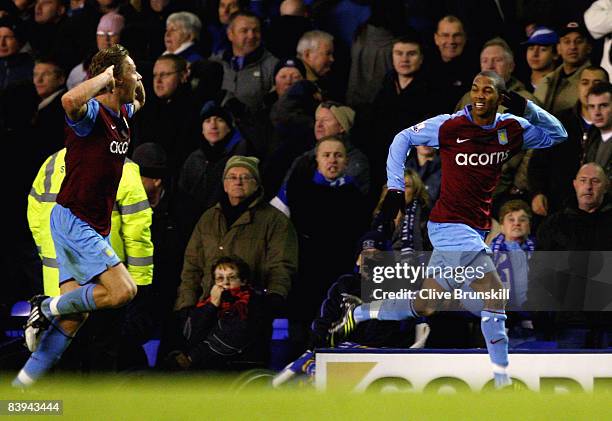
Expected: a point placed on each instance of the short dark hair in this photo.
(244, 271)
(180, 64)
(113, 56)
(498, 81)
(596, 68)
(513, 206)
(409, 39)
(59, 68)
(244, 13)
(600, 89)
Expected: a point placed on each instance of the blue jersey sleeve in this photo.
(424, 133)
(130, 109)
(541, 129)
(85, 125)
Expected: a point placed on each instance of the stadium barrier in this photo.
(453, 371)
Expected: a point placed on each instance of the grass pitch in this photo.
(217, 398)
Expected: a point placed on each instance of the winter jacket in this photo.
(200, 184)
(262, 236)
(130, 235)
(557, 93)
(253, 81)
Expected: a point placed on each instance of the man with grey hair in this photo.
(248, 68)
(182, 33)
(316, 50)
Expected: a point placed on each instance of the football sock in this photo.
(52, 345)
(385, 310)
(493, 325)
(80, 300)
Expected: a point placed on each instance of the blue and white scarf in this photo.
(512, 267)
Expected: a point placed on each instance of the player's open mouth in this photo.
(479, 105)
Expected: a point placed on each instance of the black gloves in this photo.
(515, 103)
(393, 203)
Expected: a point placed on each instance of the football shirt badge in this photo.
(502, 137)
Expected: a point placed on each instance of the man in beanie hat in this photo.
(286, 73)
(242, 223)
(14, 66)
(109, 30)
(200, 184)
(153, 163)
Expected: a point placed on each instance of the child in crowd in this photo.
(225, 329)
(512, 249)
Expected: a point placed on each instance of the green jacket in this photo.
(262, 236)
(130, 234)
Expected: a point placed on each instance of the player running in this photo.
(474, 144)
(91, 275)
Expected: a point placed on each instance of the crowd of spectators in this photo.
(266, 131)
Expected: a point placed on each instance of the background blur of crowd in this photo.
(316, 91)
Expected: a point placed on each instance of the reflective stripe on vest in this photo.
(139, 261)
(133, 208)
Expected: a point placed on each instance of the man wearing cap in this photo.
(558, 90)
(242, 223)
(541, 54)
(14, 66)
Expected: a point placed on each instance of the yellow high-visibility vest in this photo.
(130, 234)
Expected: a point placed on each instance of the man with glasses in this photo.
(243, 224)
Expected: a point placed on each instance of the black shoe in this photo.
(341, 330)
(37, 323)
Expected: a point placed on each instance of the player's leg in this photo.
(411, 307)
(408, 308)
(114, 288)
(83, 254)
(53, 342)
(493, 326)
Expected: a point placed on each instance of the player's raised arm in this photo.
(75, 100)
(543, 129)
